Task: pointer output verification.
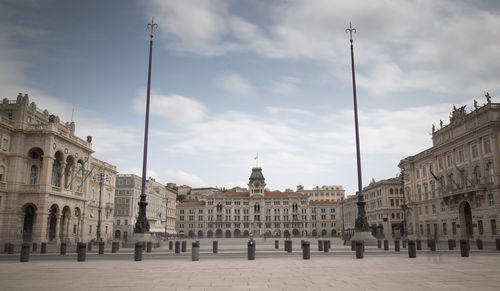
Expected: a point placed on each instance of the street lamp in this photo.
(404, 206)
(100, 178)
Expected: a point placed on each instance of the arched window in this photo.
(2, 173)
(33, 175)
(491, 173)
(477, 175)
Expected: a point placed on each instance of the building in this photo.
(453, 188)
(326, 218)
(384, 201)
(323, 193)
(349, 213)
(50, 184)
(160, 210)
(195, 193)
(257, 212)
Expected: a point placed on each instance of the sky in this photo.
(235, 79)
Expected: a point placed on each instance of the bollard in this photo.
(101, 248)
(386, 245)
(432, 243)
(498, 244)
(138, 251)
(379, 244)
(177, 247)
(170, 245)
(353, 245)
(184, 243)
(35, 247)
(320, 245)
(302, 243)
(404, 244)
(143, 245)
(63, 248)
(396, 245)
(195, 251)
(412, 252)
(326, 246)
(215, 246)
(419, 245)
(464, 247)
(306, 250)
(10, 249)
(450, 244)
(479, 244)
(276, 244)
(149, 246)
(81, 251)
(115, 246)
(289, 246)
(89, 246)
(251, 250)
(43, 248)
(25, 253)
(359, 249)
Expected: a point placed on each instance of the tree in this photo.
(181, 197)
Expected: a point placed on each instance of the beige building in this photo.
(257, 212)
(323, 193)
(384, 201)
(160, 210)
(349, 213)
(453, 188)
(50, 188)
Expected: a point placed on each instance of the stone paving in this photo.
(429, 271)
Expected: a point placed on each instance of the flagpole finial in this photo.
(152, 25)
(350, 30)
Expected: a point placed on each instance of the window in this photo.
(418, 175)
(478, 201)
(392, 201)
(117, 222)
(424, 172)
(444, 228)
(440, 162)
(491, 200)
(493, 223)
(475, 152)
(443, 207)
(33, 175)
(454, 228)
(421, 229)
(491, 173)
(449, 159)
(426, 209)
(487, 146)
(433, 190)
(419, 210)
(461, 156)
(477, 175)
(5, 144)
(90, 229)
(480, 227)
(126, 222)
(428, 227)
(2, 173)
(433, 209)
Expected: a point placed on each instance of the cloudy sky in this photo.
(232, 79)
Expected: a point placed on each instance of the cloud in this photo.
(436, 46)
(234, 84)
(280, 110)
(183, 178)
(173, 107)
(286, 86)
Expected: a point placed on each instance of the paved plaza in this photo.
(272, 270)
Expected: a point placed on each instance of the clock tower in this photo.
(257, 182)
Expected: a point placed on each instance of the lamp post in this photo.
(142, 224)
(361, 223)
(100, 178)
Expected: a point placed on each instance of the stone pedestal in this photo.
(366, 236)
(136, 237)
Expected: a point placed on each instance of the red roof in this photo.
(192, 203)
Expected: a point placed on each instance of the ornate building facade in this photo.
(256, 212)
(323, 193)
(160, 210)
(50, 184)
(453, 188)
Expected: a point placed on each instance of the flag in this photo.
(256, 157)
(159, 214)
(453, 181)
(463, 174)
(437, 179)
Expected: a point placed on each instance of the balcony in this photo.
(451, 191)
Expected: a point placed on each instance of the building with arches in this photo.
(50, 183)
(257, 212)
(453, 188)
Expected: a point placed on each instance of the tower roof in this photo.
(257, 175)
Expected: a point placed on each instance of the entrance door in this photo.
(29, 216)
(468, 220)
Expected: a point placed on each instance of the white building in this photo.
(323, 193)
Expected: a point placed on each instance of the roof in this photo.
(191, 203)
(256, 175)
(284, 194)
(323, 202)
(266, 194)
